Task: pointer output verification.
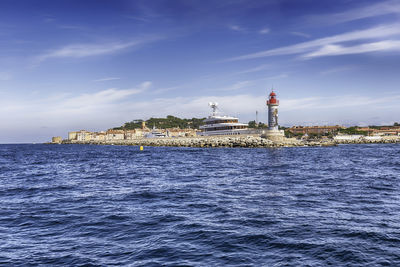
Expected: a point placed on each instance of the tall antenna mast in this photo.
(214, 106)
(256, 117)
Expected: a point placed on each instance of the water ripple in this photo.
(115, 205)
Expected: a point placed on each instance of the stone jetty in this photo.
(215, 141)
(236, 141)
(369, 140)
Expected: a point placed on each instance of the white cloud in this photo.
(279, 76)
(301, 34)
(24, 120)
(304, 47)
(238, 85)
(251, 70)
(102, 98)
(335, 50)
(188, 107)
(169, 89)
(236, 28)
(106, 79)
(264, 31)
(250, 84)
(88, 50)
(371, 10)
(337, 102)
(67, 105)
(72, 27)
(337, 69)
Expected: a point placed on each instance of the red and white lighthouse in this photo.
(272, 104)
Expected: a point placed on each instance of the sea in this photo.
(89, 205)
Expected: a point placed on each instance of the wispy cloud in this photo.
(237, 86)
(104, 97)
(138, 18)
(371, 10)
(88, 50)
(264, 31)
(236, 28)
(167, 89)
(336, 50)
(65, 112)
(301, 34)
(336, 102)
(48, 18)
(280, 76)
(252, 70)
(248, 84)
(307, 47)
(106, 79)
(72, 27)
(337, 69)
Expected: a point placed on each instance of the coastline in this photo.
(230, 141)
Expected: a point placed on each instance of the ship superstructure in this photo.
(217, 124)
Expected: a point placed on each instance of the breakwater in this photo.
(220, 141)
(369, 140)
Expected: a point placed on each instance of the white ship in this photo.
(155, 134)
(222, 125)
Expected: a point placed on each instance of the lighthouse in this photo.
(272, 104)
(273, 133)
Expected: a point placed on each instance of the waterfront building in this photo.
(99, 136)
(381, 131)
(72, 136)
(83, 135)
(177, 132)
(115, 135)
(56, 140)
(320, 130)
(134, 134)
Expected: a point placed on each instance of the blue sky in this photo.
(70, 65)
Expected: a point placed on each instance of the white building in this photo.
(115, 135)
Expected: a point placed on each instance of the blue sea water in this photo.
(83, 205)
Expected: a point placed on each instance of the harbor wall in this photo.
(220, 141)
(235, 141)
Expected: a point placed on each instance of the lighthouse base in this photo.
(274, 135)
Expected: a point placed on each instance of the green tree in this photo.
(252, 124)
(163, 123)
(353, 130)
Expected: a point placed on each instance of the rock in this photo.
(236, 141)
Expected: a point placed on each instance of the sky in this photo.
(72, 65)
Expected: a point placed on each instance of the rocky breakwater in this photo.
(220, 141)
(370, 140)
